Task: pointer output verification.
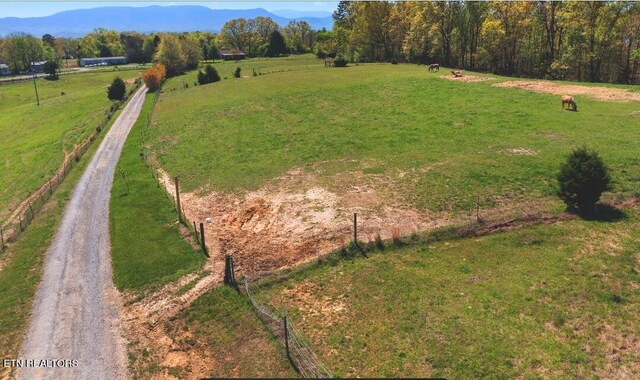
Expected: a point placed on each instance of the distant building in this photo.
(102, 61)
(38, 67)
(4, 69)
(232, 55)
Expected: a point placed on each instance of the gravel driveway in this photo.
(76, 313)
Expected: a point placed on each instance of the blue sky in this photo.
(37, 9)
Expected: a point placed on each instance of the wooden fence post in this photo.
(229, 277)
(286, 337)
(195, 229)
(202, 242)
(178, 200)
(355, 228)
(31, 209)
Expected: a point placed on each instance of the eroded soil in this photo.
(294, 219)
(466, 78)
(599, 93)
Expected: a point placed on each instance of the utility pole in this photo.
(35, 85)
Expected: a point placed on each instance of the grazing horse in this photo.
(328, 61)
(434, 67)
(567, 99)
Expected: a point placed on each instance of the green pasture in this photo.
(33, 139)
(557, 301)
(453, 141)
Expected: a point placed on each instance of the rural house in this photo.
(38, 67)
(4, 69)
(102, 61)
(232, 55)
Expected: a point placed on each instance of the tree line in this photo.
(597, 41)
(260, 36)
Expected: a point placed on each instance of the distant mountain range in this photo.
(179, 18)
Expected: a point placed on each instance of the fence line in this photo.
(304, 360)
(24, 214)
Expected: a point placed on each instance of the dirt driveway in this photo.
(76, 310)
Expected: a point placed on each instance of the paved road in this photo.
(18, 78)
(75, 314)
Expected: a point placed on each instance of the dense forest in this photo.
(593, 41)
(587, 41)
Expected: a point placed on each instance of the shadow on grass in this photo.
(50, 78)
(604, 213)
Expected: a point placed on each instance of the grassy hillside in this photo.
(557, 301)
(441, 143)
(33, 139)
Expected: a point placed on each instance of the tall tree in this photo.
(237, 34)
(22, 49)
(171, 55)
(277, 45)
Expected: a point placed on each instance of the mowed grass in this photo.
(454, 141)
(21, 264)
(33, 139)
(146, 244)
(241, 345)
(557, 301)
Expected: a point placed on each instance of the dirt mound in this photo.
(466, 78)
(599, 93)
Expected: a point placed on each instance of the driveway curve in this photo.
(75, 314)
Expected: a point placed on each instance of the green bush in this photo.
(394, 61)
(340, 61)
(51, 68)
(117, 89)
(582, 180)
(237, 72)
(210, 75)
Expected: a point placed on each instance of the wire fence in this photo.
(24, 214)
(163, 181)
(301, 356)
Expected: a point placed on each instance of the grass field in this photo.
(241, 345)
(21, 264)
(34, 138)
(549, 301)
(146, 243)
(454, 141)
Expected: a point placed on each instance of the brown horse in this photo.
(434, 67)
(567, 99)
(328, 61)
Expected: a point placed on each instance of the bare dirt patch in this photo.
(520, 152)
(295, 219)
(599, 93)
(152, 328)
(466, 78)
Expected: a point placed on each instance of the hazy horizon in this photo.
(43, 9)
